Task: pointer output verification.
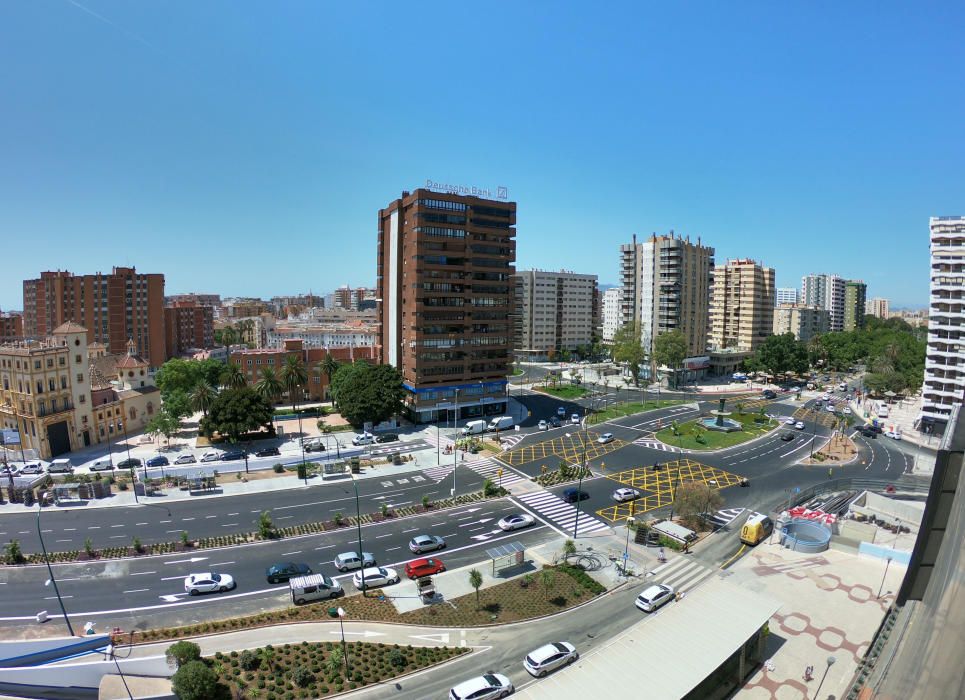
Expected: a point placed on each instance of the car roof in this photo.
(654, 590)
(471, 686)
(423, 538)
(544, 652)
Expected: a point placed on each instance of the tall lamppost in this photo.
(626, 548)
(358, 524)
(830, 663)
(341, 614)
(579, 486)
(50, 571)
(127, 445)
(455, 452)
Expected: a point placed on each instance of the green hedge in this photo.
(583, 578)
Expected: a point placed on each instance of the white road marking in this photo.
(228, 524)
(137, 590)
(142, 573)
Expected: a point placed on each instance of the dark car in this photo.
(128, 463)
(276, 573)
(233, 455)
(768, 394)
(388, 437)
(574, 495)
(159, 461)
(787, 437)
(267, 452)
(868, 432)
(875, 429)
(555, 422)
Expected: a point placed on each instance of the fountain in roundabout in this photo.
(720, 422)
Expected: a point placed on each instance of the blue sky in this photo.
(245, 148)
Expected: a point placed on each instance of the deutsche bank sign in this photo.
(469, 190)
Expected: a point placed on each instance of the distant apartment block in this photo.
(114, 308)
(877, 307)
(804, 322)
(232, 309)
(282, 306)
(351, 298)
(611, 312)
(212, 300)
(11, 326)
(742, 306)
(825, 292)
(554, 311)
(188, 325)
(855, 292)
(666, 286)
(786, 295)
(323, 336)
(944, 384)
(914, 318)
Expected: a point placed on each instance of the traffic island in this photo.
(694, 436)
(837, 451)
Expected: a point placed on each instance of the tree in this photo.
(269, 386)
(670, 349)
(627, 347)
(367, 392)
(195, 681)
(184, 375)
(235, 412)
(329, 366)
(178, 404)
(232, 377)
(183, 652)
(163, 423)
(693, 499)
(779, 354)
(202, 396)
(226, 336)
(294, 376)
(475, 580)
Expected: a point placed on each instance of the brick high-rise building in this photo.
(188, 325)
(444, 279)
(114, 308)
(742, 306)
(11, 326)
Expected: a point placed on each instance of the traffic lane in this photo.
(883, 457)
(67, 529)
(158, 580)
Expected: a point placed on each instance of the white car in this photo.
(790, 420)
(799, 426)
(542, 425)
(516, 521)
(211, 456)
(653, 597)
(575, 419)
(846, 410)
(374, 577)
(549, 657)
(830, 408)
(186, 459)
(625, 494)
(102, 465)
(893, 434)
(32, 468)
(605, 438)
(208, 583)
(363, 439)
(826, 397)
(426, 543)
(484, 687)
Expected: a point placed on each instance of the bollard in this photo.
(42, 616)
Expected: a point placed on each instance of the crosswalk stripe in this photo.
(686, 576)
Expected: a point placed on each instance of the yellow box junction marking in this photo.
(657, 486)
(568, 448)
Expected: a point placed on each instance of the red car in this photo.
(417, 568)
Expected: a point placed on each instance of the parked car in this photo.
(129, 463)
(32, 468)
(267, 452)
(787, 437)
(574, 495)
(517, 521)
(846, 410)
(653, 597)
(8, 470)
(575, 419)
(484, 687)
(426, 543)
(315, 445)
(233, 455)
(799, 426)
(790, 420)
(768, 394)
(555, 422)
(625, 494)
(561, 411)
(102, 465)
(363, 439)
(276, 573)
(605, 438)
(542, 425)
(830, 408)
(186, 459)
(208, 583)
(387, 437)
(894, 435)
(211, 456)
(374, 577)
(417, 568)
(158, 461)
(352, 560)
(549, 657)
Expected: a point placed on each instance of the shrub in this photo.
(184, 537)
(14, 553)
(136, 544)
(584, 579)
(302, 677)
(195, 681)
(89, 547)
(384, 509)
(183, 653)
(397, 658)
(265, 527)
(426, 502)
(338, 518)
(249, 660)
(302, 470)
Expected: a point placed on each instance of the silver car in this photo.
(426, 543)
(550, 657)
(352, 560)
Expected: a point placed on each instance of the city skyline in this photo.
(774, 136)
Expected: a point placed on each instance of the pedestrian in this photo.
(830, 473)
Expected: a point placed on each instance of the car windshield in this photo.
(560, 647)
(491, 679)
(215, 577)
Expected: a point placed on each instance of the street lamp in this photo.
(579, 486)
(626, 548)
(358, 523)
(50, 571)
(830, 663)
(455, 440)
(127, 445)
(341, 614)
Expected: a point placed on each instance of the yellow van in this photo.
(758, 527)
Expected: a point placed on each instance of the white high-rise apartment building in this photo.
(804, 322)
(785, 295)
(611, 312)
(945, 356)
(876, 307)
(554, 311)
(825, 292)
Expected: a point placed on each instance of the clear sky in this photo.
(245, 148)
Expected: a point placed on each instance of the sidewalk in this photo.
(902, 417)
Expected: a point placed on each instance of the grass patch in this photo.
(629, 409)
(565, 391)
(519, 372)
(711, 440)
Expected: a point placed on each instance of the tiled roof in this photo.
(70, 327)
(130, 362)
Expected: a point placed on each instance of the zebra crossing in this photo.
(560, 513)
(724, 517)
(438, 473)
(508, 442)
(655, 444)
(682, 574)
(489, 469)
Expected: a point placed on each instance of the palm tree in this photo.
(269, 386)
(475, 580)
(329, 366)
(229, 336)
(232, 377)
(293, 376)
(202, 396)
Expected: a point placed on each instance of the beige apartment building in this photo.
(877, 307)
(742, 306)
(554, 311)
(666, 286)
(804, 322)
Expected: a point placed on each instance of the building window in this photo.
(63, 382)
(80, 378)
(83, 399)
(77, 359)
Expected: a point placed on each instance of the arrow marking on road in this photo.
(366, 633)
(169, 598)
(186, 561)
(441, 638)
(476, 522)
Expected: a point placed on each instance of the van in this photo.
(881, 409)
(62, 465)
(758, 527)
(501, 423)
(305, 589)
(474, 427)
